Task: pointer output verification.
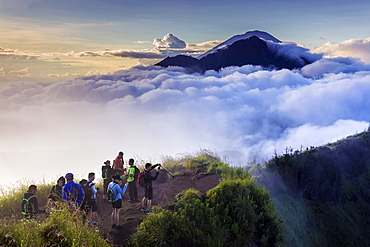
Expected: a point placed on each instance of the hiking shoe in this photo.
(149, 211)
(143, 209)
(94, 223)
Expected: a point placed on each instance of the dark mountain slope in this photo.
(253, 51)
(323, 194)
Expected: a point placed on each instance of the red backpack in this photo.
(141, 179)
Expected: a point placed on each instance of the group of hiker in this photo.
(83, 195)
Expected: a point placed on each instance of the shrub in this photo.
(63, 227)
(235, 213)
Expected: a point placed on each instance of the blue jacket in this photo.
(117, 191)
(73, 192)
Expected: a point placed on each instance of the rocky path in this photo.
(165, 192)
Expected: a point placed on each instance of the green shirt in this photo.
(131, 171)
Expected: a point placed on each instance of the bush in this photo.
(62, 228)
(235, 213)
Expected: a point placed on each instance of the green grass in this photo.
(10, 202)
(63, 227)
(237, 212)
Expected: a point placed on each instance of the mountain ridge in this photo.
(252, 48)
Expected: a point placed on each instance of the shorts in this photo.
(149, 193)
(117, 204)
(92, 206)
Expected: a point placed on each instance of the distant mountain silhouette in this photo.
(252, 50)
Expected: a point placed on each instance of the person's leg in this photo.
(94, 213)
(135, 191)
(131, 190)
(113, 217)
(150, 197)
(105, 188)
(143, 202)
(149, 204)
(117, 216)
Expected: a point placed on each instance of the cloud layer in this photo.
(245, 114)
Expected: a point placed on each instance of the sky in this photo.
(78, 85)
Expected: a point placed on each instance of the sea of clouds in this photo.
(244, 114)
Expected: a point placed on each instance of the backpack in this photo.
(137, 171)
(73, 195)
(111, 194)
(141, 179)
(104, 170)
(88, 191)
(26, 206)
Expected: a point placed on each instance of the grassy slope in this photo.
(323, 194)
(58, 227)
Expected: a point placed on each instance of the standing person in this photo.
(118, 164)
(91, 201)
(29, 204)
(133, 172)
(55, 193)
(146, 203)
(72, 192)
(107, 173)
(83, 205)
(115, 193)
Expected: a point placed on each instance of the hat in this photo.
(116, 177)
(69, 176)
(106, 162)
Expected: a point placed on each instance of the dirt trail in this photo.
(164, 193)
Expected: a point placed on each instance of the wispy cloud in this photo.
(353, 48)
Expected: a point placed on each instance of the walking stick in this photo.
(166, 170)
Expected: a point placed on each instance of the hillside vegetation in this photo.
(322, 194)
(237, 212)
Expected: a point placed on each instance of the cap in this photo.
(69, 176)
(116, 177)
(106, 162)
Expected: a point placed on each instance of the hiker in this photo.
(118, 165)
(107, 172)
(146, 203)
(29, 204)
(91, 195)
(115, 193)
(133, 173)
(84, 206)
(55, 193)
(72, 193)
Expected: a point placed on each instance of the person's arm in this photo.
(124, 188)
(64, 193)
(81, 194)
(51, 193)
(93, 189)
(156, 175)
